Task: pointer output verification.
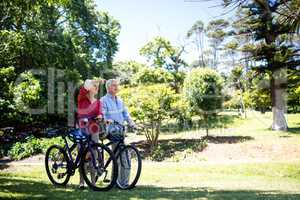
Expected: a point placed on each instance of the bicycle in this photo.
(92, 158)
(127, 156)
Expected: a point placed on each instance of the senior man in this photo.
(115, 110)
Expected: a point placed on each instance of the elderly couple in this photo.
(110, 107)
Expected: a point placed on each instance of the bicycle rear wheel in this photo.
(99, 167)
(56, 164)
(129, 167)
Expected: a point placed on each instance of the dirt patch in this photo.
(219, 149)
(255, 151)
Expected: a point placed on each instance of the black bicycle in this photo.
(96, 161)
(127, 156)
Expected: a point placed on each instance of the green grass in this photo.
(170, 181)
(191, 177)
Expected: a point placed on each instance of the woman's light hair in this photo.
(109, 83)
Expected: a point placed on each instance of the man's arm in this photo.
(104, 108)
(127, 117)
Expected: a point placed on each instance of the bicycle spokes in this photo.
(57, 165)
(97, 174)
(129, 167)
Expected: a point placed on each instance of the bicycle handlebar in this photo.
(101, 120)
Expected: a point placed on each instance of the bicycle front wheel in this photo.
(129, 167)
(56, 163)
(99, 167)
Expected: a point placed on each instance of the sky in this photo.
(141, 20)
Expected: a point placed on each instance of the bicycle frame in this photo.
(116, 151)
(74, 163)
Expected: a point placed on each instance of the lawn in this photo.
(242, 161)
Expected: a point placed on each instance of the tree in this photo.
(273, 53)
(126, 71)
(215, 31)
(152, 76)
(71, 37)
(203, 91)
(197, 31)
(231, 50)
(237, 81)
(160, 53)
(289, 14)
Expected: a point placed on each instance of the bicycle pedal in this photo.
(106, 181)
(60, 175)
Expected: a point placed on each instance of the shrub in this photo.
(203, 91)
(149, 105)
(27, 93)
(31, 146)
(181, 112)
(258, 96)
(7, 107)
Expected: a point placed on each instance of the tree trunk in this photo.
(278, 79)
(278, 95)
(206, 124)
(242, 104)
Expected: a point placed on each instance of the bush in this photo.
(236, 102)
(181, 112)
(7, 106)
(258, 96)
(294, 99)
(31, 146)
(203, 91)
(27, 94)
(149, 105)
(158, 154)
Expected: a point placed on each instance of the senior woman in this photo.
(89, 107)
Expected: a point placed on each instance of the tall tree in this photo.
(289, 14)
(216, 32)
(231, 49)
(161, 53)
(197, 31)
(273, 53)
(63, 34)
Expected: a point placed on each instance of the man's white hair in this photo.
(109, 83)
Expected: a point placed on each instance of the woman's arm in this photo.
(100, 110)
(82, 96)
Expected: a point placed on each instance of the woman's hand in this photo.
(99, 118)
(108, 121)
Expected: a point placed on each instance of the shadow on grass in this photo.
(31, 189)
(167, 148)
(227, 139)
(221, 121)
(4, 163)
(294, 130)
(3, 166)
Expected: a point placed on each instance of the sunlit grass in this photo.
(192, 178)
(249, 181)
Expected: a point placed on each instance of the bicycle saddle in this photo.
(78, 135)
